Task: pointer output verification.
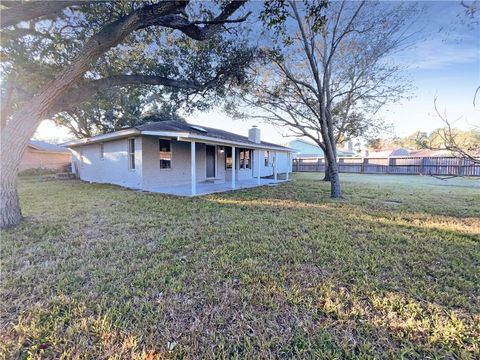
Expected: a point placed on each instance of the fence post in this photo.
(461, 167)
(422, 166)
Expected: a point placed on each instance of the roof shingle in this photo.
(172, 125)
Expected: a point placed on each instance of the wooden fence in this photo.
(399, 165)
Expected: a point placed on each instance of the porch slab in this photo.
(204, 188)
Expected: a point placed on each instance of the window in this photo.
(131, 154)
(165, 149)
(228, 158)
(245, 158)
(241, 165)
(102, 152)
(266, 155)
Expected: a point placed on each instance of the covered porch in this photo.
(197, 164)
(235, 182)
(204, 188)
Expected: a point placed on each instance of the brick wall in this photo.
(34, 159)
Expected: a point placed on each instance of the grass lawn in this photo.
(97, 271)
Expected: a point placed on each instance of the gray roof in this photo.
(172, 125)
(44, 146)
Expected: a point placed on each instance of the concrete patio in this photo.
(204, 188)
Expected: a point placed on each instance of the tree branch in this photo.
(86, 90)
(33, 10)
(180, 22)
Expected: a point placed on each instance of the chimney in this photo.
(254, 134)
(349, 146)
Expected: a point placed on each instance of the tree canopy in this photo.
(168, 65)
(56, 55)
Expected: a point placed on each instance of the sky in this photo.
(443, 64)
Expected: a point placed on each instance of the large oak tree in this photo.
(58, 54)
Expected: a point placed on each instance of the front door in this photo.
(210, 161)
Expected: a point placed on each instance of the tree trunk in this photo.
(331, 166)
(335, 188)
(14, 140)
(327, 176)
(10, 213)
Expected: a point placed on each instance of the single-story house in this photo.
(304, 149)
(389, 152)
(180, 158)
(45, 156)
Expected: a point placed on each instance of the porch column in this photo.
(288, 164)
(234, 167)
(258, 167)
(193, 168)
(275, 155)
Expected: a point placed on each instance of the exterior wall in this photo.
(113, 168)
(283, 163)
(301, 147)
(34, 159)
(180, 172)
(221, 171)
(400, 152)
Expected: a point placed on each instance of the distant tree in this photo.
(59, 54)
(465, 144)
(114, 110)
(328, 70)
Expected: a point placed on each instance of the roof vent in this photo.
(198, 128)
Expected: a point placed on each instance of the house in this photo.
(180, 158)
(42, 155)
(389, 152)
(305, 149)
(430, 153)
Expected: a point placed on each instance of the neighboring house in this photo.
(385, 153)
(305, 149)
(430, 153)
(179, 158)
(42, 155)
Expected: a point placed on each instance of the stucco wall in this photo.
(113, 168)
(34, 159)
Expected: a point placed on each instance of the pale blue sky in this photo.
(443, 63)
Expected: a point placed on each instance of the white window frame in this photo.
(171, 154)
(131, 154)
(266, 159)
